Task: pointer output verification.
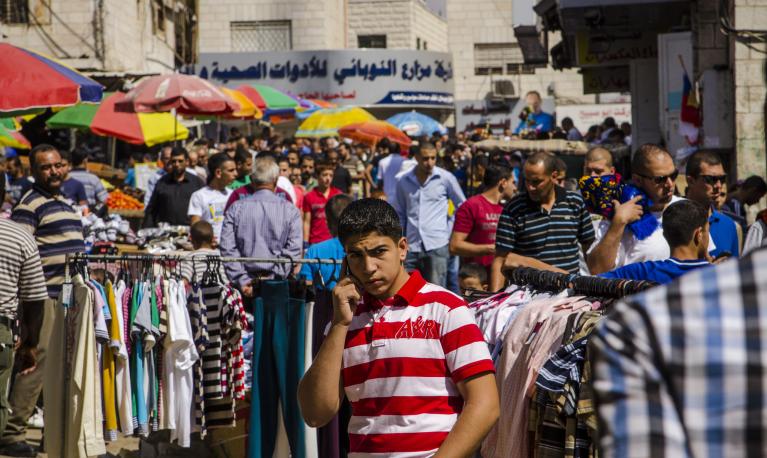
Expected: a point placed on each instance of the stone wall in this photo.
(750, 77)
(315, 24)
(490, 21)
(402, 21)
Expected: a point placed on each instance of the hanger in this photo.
(319, 274)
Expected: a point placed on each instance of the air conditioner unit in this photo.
(503, 89)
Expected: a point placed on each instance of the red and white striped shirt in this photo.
(402, 360)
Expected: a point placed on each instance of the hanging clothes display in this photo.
(538, 331)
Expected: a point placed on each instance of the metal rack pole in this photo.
(165, 257)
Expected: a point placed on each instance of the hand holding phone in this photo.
(346, 295)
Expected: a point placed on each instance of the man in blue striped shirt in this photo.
(543, 227)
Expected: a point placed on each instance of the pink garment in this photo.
(532, 337)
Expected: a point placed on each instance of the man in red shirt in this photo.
(406, 353)
(476, 220)
(315, 226)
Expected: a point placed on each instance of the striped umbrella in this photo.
(13, 139)
(137, 128)
(248, 109)
(269, 100)
(326, 122)
(31, 82)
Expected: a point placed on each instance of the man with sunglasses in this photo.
(705, 183)
(654, 172)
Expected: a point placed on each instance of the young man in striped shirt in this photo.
(406, 353)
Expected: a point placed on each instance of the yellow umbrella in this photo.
(326, 122)
(247, 108)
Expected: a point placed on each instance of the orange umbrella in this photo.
(372, 132)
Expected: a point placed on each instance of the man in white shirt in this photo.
(388, 168)
(208, 204)
(615, 246)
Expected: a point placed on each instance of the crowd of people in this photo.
(466, 217)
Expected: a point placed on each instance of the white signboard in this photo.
(585, 116)
(346, 77)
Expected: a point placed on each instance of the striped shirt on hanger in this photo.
(57, 229)
(402, 361)
(553, 237)
(681, 370)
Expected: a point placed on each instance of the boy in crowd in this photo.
(445, 401)
(244, 163)
(201, 234)
(472, 276)
(315, 226)
(208, 203)
(329, 249)
(686, 229)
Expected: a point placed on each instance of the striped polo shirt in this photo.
(402, 360)
(21, 276)
(57, 229)
(527, 229)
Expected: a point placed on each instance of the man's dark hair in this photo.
(560, 166)
(756, 183)
(333, 210)
(701, 157)
(643, 155)
(609, 122)
(473, 269)
(548, 160)
(179, 151)
(215, 162)
(426, 146)
(201, 142)
(681, 219)
(79, 156)
(494, 173)
(307, 157)
(567, 121)
(41, 148)
(66, 156)
(201, 232)
(321, 166)
(369, 215)
(241, 155)
(283, 159)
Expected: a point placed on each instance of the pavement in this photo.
(123, 447)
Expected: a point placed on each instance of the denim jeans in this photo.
(431, 263)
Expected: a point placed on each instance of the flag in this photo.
(689, 119)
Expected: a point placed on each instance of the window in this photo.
(417, 43)
(371, 41)
(499, 59)
(261, 36)
(14, 11)
(425, 45)
(158, 16)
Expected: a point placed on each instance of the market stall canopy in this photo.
(187, 94)
(372, 132)
(31, 82)
(311, 106)
(326, 122)
(553, 146)
(248, 109)
(269, 100)
(13, 139)
(415, 124)
(137, 128)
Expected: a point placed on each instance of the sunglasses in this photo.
(713, 179)
(661, 179)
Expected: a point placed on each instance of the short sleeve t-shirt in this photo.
(209, 204)
(478, 217)
(402, 361)
(314, 203)
(660, 272)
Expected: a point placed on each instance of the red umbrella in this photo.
(188, 94)
(372, 132)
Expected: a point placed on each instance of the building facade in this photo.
(109, 36)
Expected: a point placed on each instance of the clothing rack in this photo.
(545, 280)
(177, 257)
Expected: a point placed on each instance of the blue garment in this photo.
(724, 233)
(422, 209)
(542, 122)
(74, 191)
(329, 249)
(661, 272)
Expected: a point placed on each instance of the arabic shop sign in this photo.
(599, 80)
(605, 50)
(346, 77)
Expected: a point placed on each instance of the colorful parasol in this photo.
(326, 122)
(187, 94)
(416, 124)
(310, 106)
(137, 128)
(31, 82)
(248, 109)
(10, 138)
(269, 100)
(372, 132)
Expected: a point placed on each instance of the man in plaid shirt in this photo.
(681, 370)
